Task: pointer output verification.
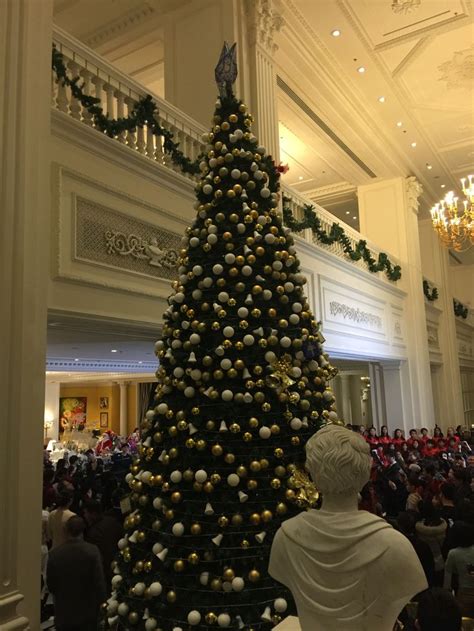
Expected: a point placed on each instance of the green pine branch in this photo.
(337, 234)
(431, 294)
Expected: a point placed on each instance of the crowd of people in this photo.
(82, 524)
(423, 485)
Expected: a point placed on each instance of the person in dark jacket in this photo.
(406, 522)
(75, 577)
(104, 531)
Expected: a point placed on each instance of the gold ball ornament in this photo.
(179, 565)
(254, 576)
(196, 529)
(171, 597)
(193, 558)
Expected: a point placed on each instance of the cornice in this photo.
(98, 365)
(116, 27)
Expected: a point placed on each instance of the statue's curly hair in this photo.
(338, 460)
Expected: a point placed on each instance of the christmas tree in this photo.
(243, 384)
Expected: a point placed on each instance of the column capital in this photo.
(264, 22)
(413, 189)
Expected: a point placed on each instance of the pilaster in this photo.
(124, 408)
(25, 83)
(389, 217)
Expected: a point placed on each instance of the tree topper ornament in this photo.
(226, 70)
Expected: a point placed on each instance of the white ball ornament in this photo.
(294, 318)
(269, 238)
(217, 269)
(296, 372)
(229, 258)
(258, 175)
(212, 239)
(223, 620)
(176, 344)
(178, 529)
(233, 479)
(238, 584)
(289, 287)
(235, 174)
(226, 364)
(146, 477)
(189, 392)
(265, 432)
(162, 408)
(150, 414)
(333, 415)
(296, 424)
(227, 395)
(197, 295)
(194, 617)
(267, 294)
(241, 228)
(197, 270)
(261, 150)
(226, 586)
(122, 609)
(265, 192)
(246, 270)
(159, 346)
(223, 296)
(207, 189)
(280, 605)
(178, 372)
(201, 476)
(277, 266)
(207, 282)
(139, 589)
(128, 478)
(228, 331)
(121, 544)
(270, 356)
(176, 476)
(248, 340)
(150, 624)
(239, 133)
(242, 312)
(178, 297)
(196, 374)
(213, 162)
(248, 398)
(117, 579)
(297, 307)
(194, 338)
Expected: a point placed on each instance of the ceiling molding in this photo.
(411, 56)
(55, 364)
(131, 19)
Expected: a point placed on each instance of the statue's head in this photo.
(338, 460)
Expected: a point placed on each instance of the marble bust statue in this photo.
(348, 570)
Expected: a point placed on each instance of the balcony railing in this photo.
(118, 94)
(297, 202)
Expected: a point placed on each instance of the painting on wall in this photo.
(72, 412)
(104, 419)
(103, 403)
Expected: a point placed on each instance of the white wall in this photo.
(51, 410)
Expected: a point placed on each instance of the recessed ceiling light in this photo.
(348, 212)
(114, 350)
(429, 167)
(336, 32)
(77, 359)
(443, 185)
(381, 99)
(300, 177)
(361, 69)
(140, 362)
(399, 124)
(354, 217)
(413, 144)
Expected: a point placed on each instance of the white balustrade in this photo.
(118, 95)
(296, 202)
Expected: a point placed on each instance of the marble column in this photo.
(377, 395)
(263, 24)
(388, 211)
(51, 409)
(124, 408)
(435, 260)
(25, 84)
(345, 403)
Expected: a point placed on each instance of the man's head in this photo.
(424, 431)
(448, 491)
(438, 611)
(338, 460)
(74, 527)
(92, 511)
(413, 433)
(65, 498)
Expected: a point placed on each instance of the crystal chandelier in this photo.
(455, 226)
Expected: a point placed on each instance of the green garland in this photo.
(460, 310)
(337, 235)
(430, 294)
(144, 112)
